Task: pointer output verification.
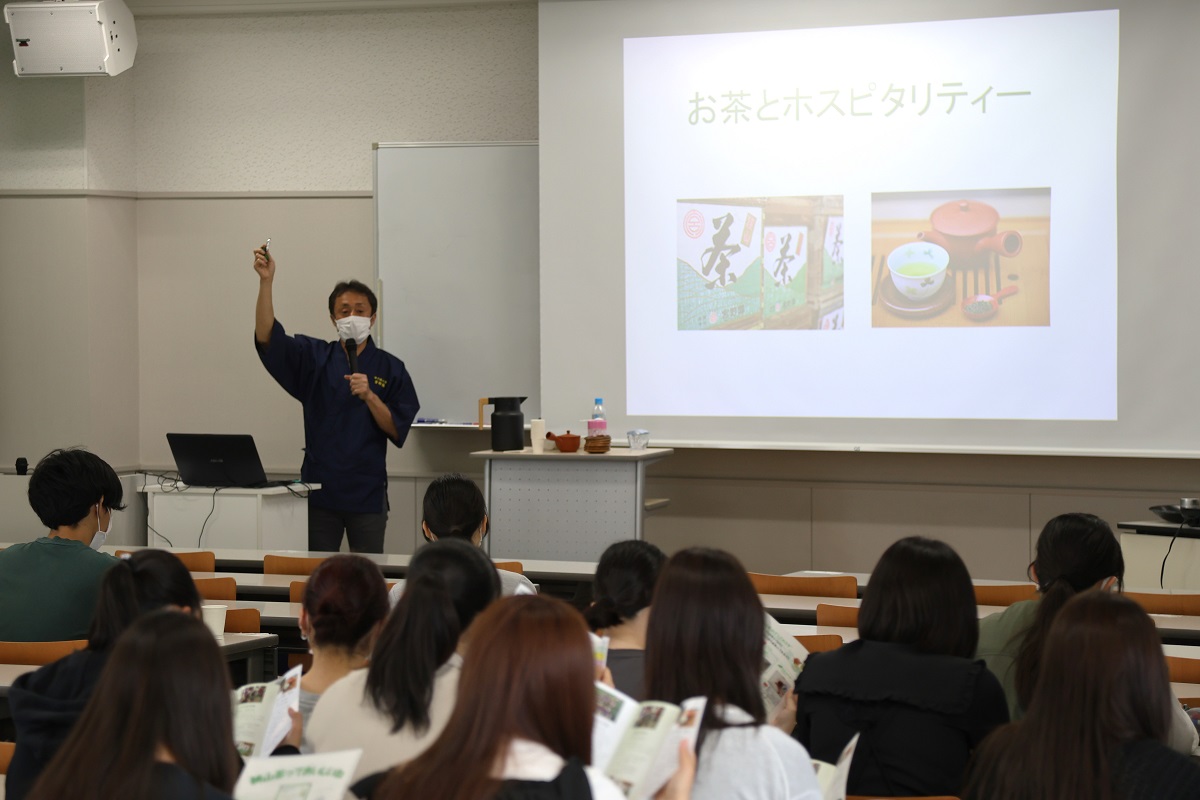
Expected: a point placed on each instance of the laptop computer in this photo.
(218, 459)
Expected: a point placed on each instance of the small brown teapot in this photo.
(565, 442)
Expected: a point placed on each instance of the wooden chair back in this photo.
(837, 616)
(511, 566)
(1004, 595)
(805, 585)
(820, 642)
(38, 653)
(290, 565)
(217, 588)
(296, 591)
(6, 754)
(195, 561)
(1183, 670)
(1154, 603)
(243, 620)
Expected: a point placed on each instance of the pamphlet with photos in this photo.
(637, 744)
(783, 658)
(260, 713)
(599, 649)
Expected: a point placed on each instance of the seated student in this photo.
(908, 685)
(48, 586)
(454, 508)
(705, 638)
(622, 589)
(397, 706)
(159, 724)
(522, 726)
(1074, 552)
(344, 605)
(1098, 716)
(46, 703)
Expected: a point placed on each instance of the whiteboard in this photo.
(456, 257)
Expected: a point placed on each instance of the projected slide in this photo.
(894, 221)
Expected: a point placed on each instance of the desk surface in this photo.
(393, 565)
(299, 489)
(615, 454)
(233, 647)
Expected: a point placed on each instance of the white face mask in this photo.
(101, 535)
(356, 328)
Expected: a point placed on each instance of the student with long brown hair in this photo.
(159, 724)
(705, 639)
(1074, 552)
(909, 685)
(522, 726)
(1097, 720)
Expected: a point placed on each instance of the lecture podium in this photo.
(565, 506)
(271, 518)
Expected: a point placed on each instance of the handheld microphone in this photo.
(351, 353)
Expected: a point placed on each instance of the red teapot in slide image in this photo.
(967, 230)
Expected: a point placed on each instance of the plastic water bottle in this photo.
(597, 425)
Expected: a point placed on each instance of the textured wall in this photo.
(294, 102)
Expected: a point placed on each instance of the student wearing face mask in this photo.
(48, 587)
(356, 399)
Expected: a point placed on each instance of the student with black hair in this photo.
(48, 586)
(621, 592)
(1096, 724)
(1074, 553)
(45, 703)
(454, 508)
(909, 685)
(395, 708)
(356, 399)
(705, 639)
(159, 723)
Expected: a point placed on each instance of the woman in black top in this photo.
(624, 584)
(159, 724)
(1096, 724)
(908, 685)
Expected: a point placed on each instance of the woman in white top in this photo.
(705, 638)
(523, 720)
(395, 708)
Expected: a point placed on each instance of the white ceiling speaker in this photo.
(71, 38)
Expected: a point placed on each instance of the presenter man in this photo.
(350, 414)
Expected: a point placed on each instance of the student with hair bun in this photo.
(46, 703)
(345, 602)
(454, 508)
(623, 586)
(397, 706)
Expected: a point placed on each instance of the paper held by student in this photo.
(321, 776)
(832, 778)
(260, 713)
(783, 658)
(637, 744)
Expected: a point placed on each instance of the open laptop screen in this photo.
(217, 459)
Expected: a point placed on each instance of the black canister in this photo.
(508, 422)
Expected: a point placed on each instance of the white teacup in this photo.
(214, 618)
(918, 269)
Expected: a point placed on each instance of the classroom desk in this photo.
(276, 516)
(1173, 628)
(1145, 544)
(392, 565)
(238, 648)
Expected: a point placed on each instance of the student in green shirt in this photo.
(48, 587)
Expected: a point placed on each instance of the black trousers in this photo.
(364, 531)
